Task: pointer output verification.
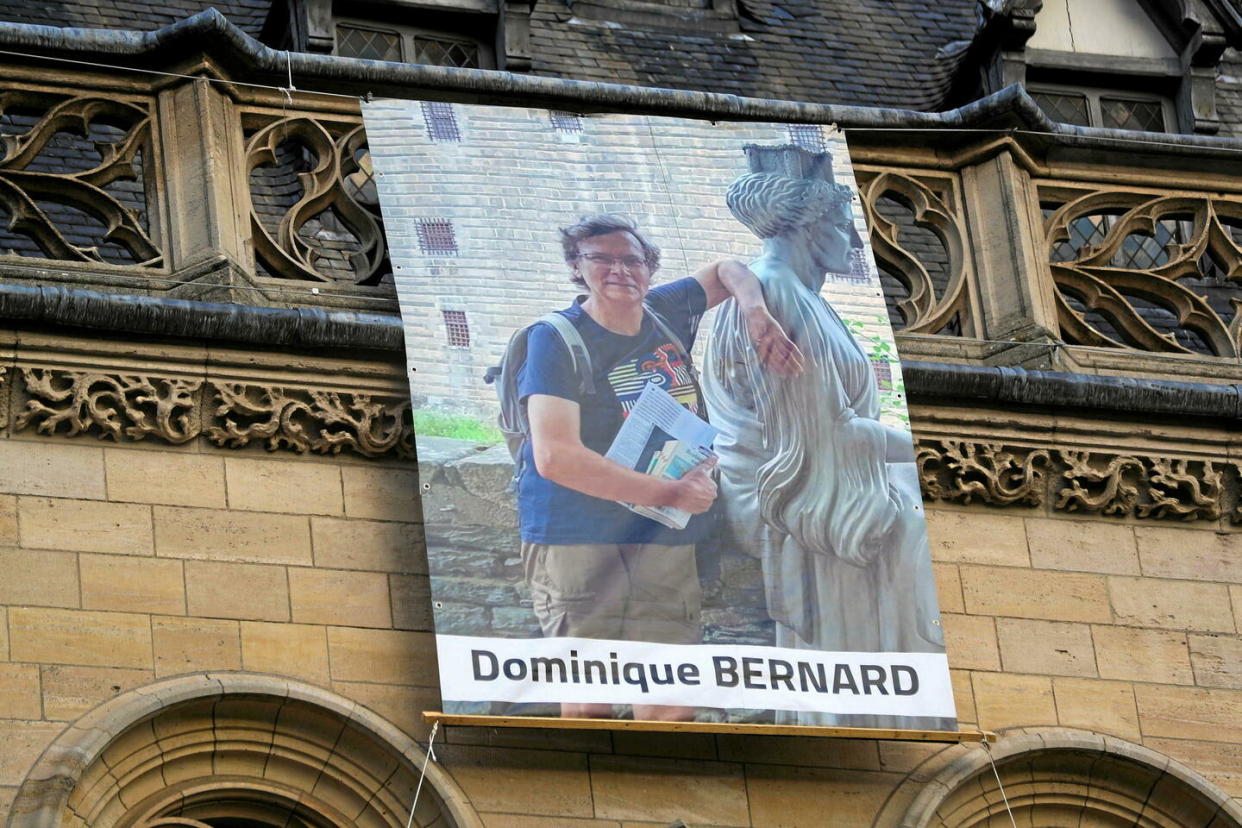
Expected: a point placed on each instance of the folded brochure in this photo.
(662, 438)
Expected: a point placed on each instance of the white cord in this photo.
(988, 749)
(98, 65)
(430, 755)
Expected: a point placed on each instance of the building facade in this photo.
(214, 606)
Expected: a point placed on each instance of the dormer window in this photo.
(1144, 65)
(472, 34)
(1107, 108)
(412, 44)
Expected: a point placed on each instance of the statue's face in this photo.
(832, 238)
(613, 267)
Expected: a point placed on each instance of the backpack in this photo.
(513, 421)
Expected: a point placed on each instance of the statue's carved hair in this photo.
(771, 205)
(602, 225)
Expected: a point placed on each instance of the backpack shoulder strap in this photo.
(667, 332)
(579, 356)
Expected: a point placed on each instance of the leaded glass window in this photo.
(1144, 116)
(368, 44)
(444, 52)
(1064, 108)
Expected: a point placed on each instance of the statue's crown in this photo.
(790, 161)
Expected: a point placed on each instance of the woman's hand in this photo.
(776, 350)
(695, 492)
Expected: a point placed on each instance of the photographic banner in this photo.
(665, 462)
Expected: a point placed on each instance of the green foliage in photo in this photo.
(457, 426)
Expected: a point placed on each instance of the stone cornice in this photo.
(989, 452)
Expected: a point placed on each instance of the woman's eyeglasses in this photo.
(603, 260)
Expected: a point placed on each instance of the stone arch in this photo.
(1058, 777)
(223, 749)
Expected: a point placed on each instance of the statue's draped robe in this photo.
(806, 488)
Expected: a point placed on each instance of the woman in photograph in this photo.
(595, 568)
(810, 480)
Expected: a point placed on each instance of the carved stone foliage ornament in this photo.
(128, 407)
(1151, 273)
(984, 472)
(119, 406)
(1080, 481)
(323, 422)
(73, 178)
(918, 239)
(314, 210)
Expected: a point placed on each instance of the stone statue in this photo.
(811, 481)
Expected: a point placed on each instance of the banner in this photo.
(665, 461)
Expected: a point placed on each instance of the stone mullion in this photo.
(1016, 295)
(203, 162)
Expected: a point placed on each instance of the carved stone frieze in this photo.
(176, 410)
(1159, 487)
(119, 406)
(322, 422)
(959, 471)
(1178, 492)
(1110, 489)
(1068, 480)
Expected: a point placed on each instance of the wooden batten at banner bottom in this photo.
(551, 722)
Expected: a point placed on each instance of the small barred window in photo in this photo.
(456, 328)
(440, 120)
(436, 237)
(569, 122)
(883, 373)
(808, 136)
(860, 268)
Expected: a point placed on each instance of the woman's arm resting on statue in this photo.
(731, 278)
(561, 457)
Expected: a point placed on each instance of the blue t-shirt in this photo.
(622, 365)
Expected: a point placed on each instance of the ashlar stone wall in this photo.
(124, 562)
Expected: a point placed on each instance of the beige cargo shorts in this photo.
(626, 592)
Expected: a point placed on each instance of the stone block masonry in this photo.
(109, 585)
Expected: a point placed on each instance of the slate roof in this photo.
(888, 53)
(131, 15)
(1229, 94)
(879, 53)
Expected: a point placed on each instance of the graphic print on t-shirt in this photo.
(665, 367)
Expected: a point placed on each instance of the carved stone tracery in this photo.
(314, 213)
(72, 179)
(922, 246)
(1150, 273)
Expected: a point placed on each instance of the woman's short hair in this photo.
(771, 205)
(602, 225)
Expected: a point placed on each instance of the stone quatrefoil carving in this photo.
(126, 407)
(1150, 273)
(1091, 482)
(73, 179)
